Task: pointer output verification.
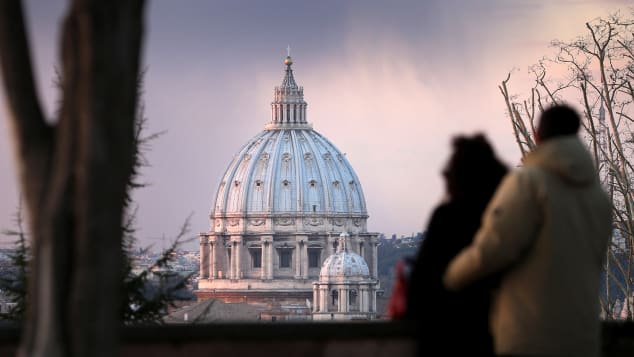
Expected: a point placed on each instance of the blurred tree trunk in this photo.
(74, 172)
(595, 70)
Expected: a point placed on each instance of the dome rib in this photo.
(229, 175)
(339, 177)
(299, 198)
(318, 159)
(275, 169)
(254, 161)
(361, 197)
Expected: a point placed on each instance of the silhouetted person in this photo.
(453, 323)
(547, 229)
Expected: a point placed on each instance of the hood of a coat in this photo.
(566, 157)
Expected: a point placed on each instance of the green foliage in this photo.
(151, 292)
(148, 294)
(13, 281)
(389, 253)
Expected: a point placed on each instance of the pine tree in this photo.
(13, 281)
(148, 294)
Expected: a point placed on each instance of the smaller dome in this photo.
(344, 264)
(288, 61)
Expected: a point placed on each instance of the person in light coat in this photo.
(546, 229)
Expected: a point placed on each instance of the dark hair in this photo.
(558, 120)
(473, 169)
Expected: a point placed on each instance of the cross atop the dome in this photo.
(288, 50)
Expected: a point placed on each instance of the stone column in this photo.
(270, 267)
(223, 268)
(267, 257)
(219, 266)
(271, 270)
(265, 263)
(204, 256)
(324, 298)
(373, 300)
(232, 268)
(375, 259)
(315, 296)
(282, 115)
(298, 259)
(364, 299)
(345, 301)
(301, 260)
(239, 258)
(305, 260)
(212, 260)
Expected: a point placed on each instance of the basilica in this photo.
(289, 222)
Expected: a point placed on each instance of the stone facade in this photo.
(345, 290)
(280, 207)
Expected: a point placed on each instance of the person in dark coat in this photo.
(455, 322)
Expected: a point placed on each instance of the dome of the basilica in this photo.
(344, 264)
(290, 170)
(277, 220)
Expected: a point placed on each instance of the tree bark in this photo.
(74, 173)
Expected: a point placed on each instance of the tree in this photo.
(74, 172)
(146, 297)
(13, 281)
(148, 294)
(598, 74)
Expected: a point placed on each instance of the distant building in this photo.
(279, 210)
(345, 290)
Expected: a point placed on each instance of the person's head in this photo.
(473, 169)
(558, 120)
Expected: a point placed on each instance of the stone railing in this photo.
(378, 339)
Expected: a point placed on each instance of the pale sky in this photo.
(389, 83)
